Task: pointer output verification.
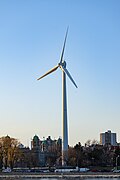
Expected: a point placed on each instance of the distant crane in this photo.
(62, 66)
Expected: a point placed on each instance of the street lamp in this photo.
(117, 162)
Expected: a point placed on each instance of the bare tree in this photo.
(8, 151)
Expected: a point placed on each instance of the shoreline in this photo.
(59, 175)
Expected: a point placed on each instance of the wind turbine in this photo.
(62, 66)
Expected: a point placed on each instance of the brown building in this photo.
(46, 151)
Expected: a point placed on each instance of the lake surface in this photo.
(72, 179)
(61, 178)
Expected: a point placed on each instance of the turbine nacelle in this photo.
(63, 64)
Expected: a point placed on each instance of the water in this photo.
(72, 179)
(61, 178)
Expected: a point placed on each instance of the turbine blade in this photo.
(67, 72)
(61, 59)
(50, 71)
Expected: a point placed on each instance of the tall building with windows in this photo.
(108, 138)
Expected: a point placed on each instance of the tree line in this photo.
(91, 155)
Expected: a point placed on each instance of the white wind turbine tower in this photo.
(62, 66)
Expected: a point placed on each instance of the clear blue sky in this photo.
(31, 39)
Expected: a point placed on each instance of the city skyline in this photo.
(31, 37)
(106, 137)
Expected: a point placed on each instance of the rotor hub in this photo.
(63, 64)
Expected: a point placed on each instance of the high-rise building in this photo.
(108, 138)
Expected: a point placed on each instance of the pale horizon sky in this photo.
(31, 39)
